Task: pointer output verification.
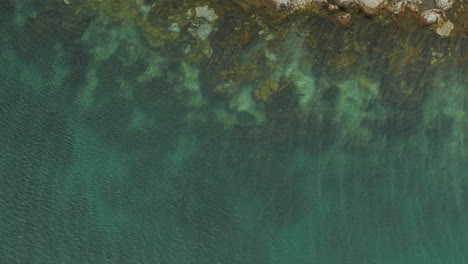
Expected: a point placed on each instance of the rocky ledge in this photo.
(443, 16)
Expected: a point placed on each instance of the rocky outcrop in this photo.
(431, 13)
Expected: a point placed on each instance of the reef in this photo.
(260, 66)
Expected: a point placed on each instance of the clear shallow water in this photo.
(111, 154)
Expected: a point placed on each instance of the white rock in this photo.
(203, 31)
(332, 8)
(294, 4)
(174, 27)
(432, 16)
(412, 7)
(371, 5)
(206, 13)
(444, 4)
(445, 29)
(344, 2)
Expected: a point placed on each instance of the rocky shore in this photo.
(443, 16)
(257, 67)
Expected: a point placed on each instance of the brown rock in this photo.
(332, 8)
(343, 19)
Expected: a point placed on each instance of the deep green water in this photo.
(96, 167)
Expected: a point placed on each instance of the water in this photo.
(126, 139)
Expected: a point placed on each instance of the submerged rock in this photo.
(206, 13)
(371, 7)
(433, 16)
(437, 19)
(343, 19)
(293, 3)
(444, 4)
(445, 28)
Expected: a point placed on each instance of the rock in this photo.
(343, 19)
(371, 7)
(344, 3)
(395, 7)
(444, 4)
(206, 13)
(332, 8)
(295, 4)
(174, 27)
(445, 29)
(412, 6)
(432, 16)
(437, 20)
(203, 31)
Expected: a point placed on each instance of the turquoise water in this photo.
(112, 151)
